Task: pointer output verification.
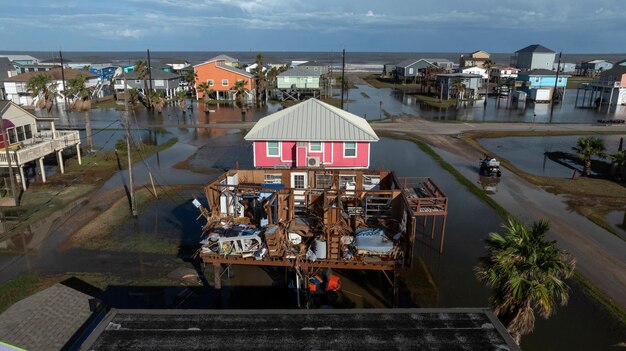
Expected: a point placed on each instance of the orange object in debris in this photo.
(333, 283)
(312, 287)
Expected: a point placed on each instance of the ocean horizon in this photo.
(330, 57)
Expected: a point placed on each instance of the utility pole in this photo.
(5, 141)
(556, 82)
(63, 78)
(133, 202)
(149, 70)
(343, 68)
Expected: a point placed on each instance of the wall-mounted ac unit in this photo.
(313, 161)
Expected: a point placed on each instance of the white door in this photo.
(299, 181)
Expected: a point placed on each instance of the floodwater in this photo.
(397, 102)
(580, 325)
(528, 153)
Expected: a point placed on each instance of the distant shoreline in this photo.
(330, 57)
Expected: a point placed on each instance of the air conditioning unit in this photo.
(313, 161)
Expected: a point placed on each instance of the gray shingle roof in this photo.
(312, 120)
(224, 58)
(535, 48)
(300, 72)
(46, 320)
(234, 70)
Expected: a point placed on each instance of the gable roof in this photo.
(409, 62)
(312, 120)
(20, 58)
(55, 73)
(477, 51)
(300, 72)
(224, 58)
(437, 60)
(536, 48)
(46, 320)
(233, 69)
(312, 64)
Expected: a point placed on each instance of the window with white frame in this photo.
(298, 181)
(273, 179)
(210, 82)
(315, 146)
(20, 133)
(273, 148)
(349, 149)
(28, 131)
(224, 82)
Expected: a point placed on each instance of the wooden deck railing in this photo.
(40, 145)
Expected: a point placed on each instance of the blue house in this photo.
(594, 67)
(540, 83)
(104, 73)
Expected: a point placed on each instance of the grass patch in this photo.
(573, 82)
(433, 101)
(364, 94)
(379, 82)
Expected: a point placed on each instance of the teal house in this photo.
(540, 83)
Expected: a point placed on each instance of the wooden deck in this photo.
(41, 145)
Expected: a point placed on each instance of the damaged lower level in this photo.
(304, 218)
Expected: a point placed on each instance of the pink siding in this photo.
(331, 155)
(623, 81)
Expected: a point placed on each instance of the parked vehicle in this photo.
(490, 167)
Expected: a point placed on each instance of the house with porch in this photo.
(534, 57)
(15, 87)
(161, 81)
(410, 69)
(504, 72)
(221, 78)
(472, 84)
(594, 67)
(611, 87)
(28, 144)
(539, 83)
(312, 134)
(475, 59)
(315, 67)
(22, 59)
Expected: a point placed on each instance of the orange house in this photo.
(221, 78)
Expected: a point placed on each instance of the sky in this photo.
(574, 26)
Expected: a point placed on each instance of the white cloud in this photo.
(369, 14)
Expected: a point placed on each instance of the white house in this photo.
(28, 144)
(504, 72)
(534, 57)
(15, 88)
(474, 70)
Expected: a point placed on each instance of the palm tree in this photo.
(206, 91)
(191, 77)
(41, 86)
(459, 89)
(527, 274)
(618, 160)
(157, 100)
(81, 96)
(588, 147)
(181, 99)
(259, 77)
(240, 90)
(488, 65)
(141, 69)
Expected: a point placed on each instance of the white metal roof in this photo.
(312, 120)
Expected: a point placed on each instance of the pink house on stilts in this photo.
(312, 134)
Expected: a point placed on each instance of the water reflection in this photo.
(489, 184)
